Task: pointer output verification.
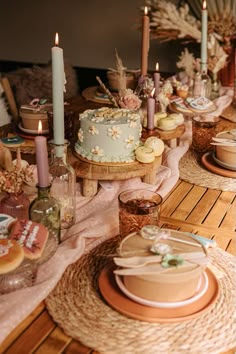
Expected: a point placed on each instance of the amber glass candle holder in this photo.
(203, 130)
(138, 208)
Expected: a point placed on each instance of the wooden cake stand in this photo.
(91, 172)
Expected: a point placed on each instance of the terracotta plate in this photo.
(116, 299)
(211, 165)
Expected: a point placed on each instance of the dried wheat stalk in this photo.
(111, 98)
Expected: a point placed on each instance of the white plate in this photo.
(223, 164)
(169, 305)
(29, 131)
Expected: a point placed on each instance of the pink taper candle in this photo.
(42, 161)
(150, 112)
(145, 43)
(157, 81)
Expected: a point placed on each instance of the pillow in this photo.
(36, 82)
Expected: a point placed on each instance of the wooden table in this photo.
(210, 213)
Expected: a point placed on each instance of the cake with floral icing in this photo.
(173, 264)
(109, 135)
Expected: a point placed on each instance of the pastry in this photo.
(178, 117)
(158, 116)
(6, 223)
(156, 144)
(167, 124)
(144, 154)
(200, 104)
(11, 255)
(31, 235)
(13, 141)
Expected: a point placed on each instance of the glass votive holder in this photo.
(138, 208)
(203, 130)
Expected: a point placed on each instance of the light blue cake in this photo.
(109, 135)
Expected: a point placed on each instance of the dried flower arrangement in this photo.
(13, 176)
(12, 181)
(169, 22)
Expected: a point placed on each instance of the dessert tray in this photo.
(116, 295)
(25, 275)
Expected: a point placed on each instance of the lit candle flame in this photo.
(57, 39)
(40, 127)
(157, 66)
(145, 10)
(204, 5)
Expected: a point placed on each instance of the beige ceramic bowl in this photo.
(30, 120)
(226, 154)
(176, 284)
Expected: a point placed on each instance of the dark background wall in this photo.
(89, 31)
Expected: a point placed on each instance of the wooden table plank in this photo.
(22, 326)
(230, 217)
(202, 209)
(220, 209)
(171, 203)
(33, 335)
(56, 342)
(198, 228)
(189, 202)
(77, 348)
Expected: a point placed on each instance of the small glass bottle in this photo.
(46, 210)
(202, 85)
(63, 181)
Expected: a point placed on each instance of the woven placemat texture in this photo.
(191, 170)
(78, 308)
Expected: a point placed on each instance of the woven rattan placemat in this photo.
(192, 170)
(78, 308)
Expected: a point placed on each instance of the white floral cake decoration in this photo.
(81, 135)
(93, 130)
(130, 141)
(97, 151)
(115, 132)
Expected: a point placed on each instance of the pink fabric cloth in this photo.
(96, 220)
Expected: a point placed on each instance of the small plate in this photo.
(29, 131)
(223, 164)
(202, 288)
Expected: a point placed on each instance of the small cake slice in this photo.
(31, 235)
(11, 255)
